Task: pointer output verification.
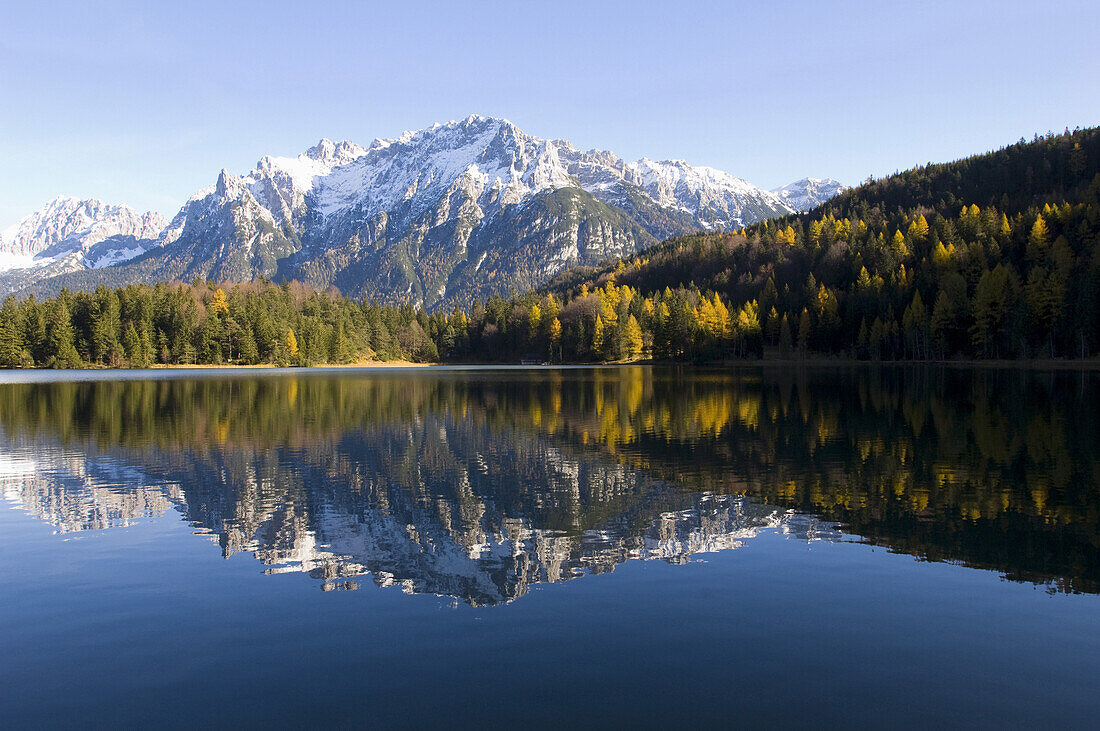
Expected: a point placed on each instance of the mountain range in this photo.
(436, 217)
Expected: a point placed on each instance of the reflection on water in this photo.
(77, 492)
(478, 484)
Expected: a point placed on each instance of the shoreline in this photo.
(265, 366)
(1048, 364)
(1033, 364)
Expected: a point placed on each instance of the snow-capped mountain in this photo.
(67, 226)
(69, 234)
(808, 193)
(443, 215)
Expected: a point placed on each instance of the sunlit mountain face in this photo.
(479, 485)
(436, 217)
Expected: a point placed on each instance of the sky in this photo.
(143, 103)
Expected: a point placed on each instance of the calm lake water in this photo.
(546, 547)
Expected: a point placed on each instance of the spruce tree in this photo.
(60, 351)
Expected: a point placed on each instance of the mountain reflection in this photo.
(478, 484)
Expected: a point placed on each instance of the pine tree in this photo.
(993, 299)
(769, 297)
(632, 338)
(950, 315)
(915, 322)
(1045, 298)
(785, 341)
(876, 341)
(863, 339)
(804, 331)
(771, 327)
(918, 229)
(131, 341)
(555, 337)
(60, 351)
(12, 352)
(106, 327)
(1037, 240)
(534, 319)
(898, 245)
(748, 327)
(723, 327)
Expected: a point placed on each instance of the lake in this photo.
(627, 546)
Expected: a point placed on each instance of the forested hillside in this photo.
(177, 324)
(994, 256)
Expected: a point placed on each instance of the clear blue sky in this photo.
(143, 103)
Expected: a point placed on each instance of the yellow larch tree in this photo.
(219, 305)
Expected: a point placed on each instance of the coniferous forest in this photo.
(992, 257)
(201, 323)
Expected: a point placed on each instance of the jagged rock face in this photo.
(441, 216)
(68, 234)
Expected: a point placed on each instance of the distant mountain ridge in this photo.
(68, 234)
(435, 217)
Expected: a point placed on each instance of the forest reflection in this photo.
(478, 484)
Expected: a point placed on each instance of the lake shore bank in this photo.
(1086, 364)
(271, 366)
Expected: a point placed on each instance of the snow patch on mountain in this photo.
(809, 193)
(489, 159)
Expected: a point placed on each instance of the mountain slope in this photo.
(69, 234)
(440, 216)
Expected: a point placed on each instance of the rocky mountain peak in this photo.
(808, 193)
(449, 212)
(332, 153)
(67, 231)
(224, 184)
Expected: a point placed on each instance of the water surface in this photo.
(548, 546)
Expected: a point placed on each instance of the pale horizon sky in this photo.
(144, 105)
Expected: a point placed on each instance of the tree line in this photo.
(203, 323)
